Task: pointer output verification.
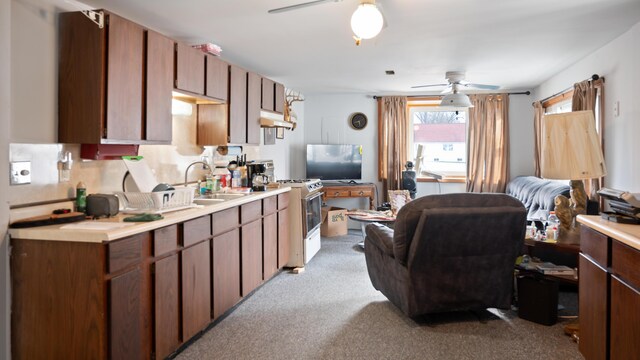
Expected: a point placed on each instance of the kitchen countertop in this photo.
(102, 232)
(628, 234)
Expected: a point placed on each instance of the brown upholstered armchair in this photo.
(448, 252)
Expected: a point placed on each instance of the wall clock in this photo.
(358, 120)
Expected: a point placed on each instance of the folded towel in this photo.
(143, 217)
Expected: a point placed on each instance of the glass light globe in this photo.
(366, 21)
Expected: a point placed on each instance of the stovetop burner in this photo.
(310, 185)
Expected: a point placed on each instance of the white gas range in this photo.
(305, 217)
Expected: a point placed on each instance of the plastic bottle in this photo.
(553, 226)
(81, 197)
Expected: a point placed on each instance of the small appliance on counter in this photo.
(259, 174)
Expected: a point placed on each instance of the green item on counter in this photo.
(143, 217)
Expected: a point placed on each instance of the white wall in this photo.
(5, 111)
(521, 135)
(327, 122)
(618, 63)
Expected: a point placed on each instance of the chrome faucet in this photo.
(205, 165)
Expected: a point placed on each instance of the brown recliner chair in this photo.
(448, 252)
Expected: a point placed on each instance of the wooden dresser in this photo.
(609, 289)
(338, 191)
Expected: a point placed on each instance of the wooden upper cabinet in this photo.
(279, 98)
(212, 125)
(190, 73)
(272, 96)
(159, 78)
(237, 105)
(268, 87)
(114, 87)
(124, 79)
(253, 108)
(217, 83)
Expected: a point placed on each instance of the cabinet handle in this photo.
(336, 193)
(361, 193)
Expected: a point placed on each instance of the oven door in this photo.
(312, 216)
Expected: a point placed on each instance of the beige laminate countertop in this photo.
(54, 232)
(628, 234)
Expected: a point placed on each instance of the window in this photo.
(439, 139)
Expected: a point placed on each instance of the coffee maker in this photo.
(257, 177)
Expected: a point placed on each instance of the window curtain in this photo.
(589, 95)
(488, 150)
(392, 140)
(538, 113)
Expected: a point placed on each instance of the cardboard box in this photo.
(334, 221)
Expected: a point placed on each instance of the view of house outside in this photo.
(442, 134)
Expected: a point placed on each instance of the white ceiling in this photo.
(516, 44)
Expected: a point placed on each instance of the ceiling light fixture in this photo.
(456, 99)
(366, 21)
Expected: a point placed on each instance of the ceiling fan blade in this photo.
(299, 6)
(448, 89)
(430, 85)
(482, 86)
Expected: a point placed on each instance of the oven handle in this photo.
(313, 196)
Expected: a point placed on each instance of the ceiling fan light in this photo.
(456, 100)
(366, 21)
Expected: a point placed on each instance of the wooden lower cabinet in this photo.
(125, 316)
(625, 320)
(167, 305)
(593, 309)
(283, 238)
(196, 289)
(270, 243)
(226, 271)
(143, 296)
(251, 261)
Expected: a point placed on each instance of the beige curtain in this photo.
(488, 150)
(589, 95)
(392, 140)
(538, 113)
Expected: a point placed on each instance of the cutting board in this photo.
(142, 175)
(44, 220)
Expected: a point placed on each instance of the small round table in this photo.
(366, 217)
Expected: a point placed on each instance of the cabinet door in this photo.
(268, 88)
(253, 108)
(251, 245)
(167, 306)
(226, 271)
(270, 243)
(279, 98)
(625, 321)
(237, 105)
(124, 79)
(125, 316)
(283, 238)
(212, 125)
(593, 309)
(217, 84)
(159, 84)
(196, 289)
(189, 69)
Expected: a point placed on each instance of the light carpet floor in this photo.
(331, 311)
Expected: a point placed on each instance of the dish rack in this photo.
(155, 202)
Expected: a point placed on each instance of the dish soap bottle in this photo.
(81, 197)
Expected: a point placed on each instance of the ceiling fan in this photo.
(455, 80)
(366, 22)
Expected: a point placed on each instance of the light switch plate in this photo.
(20, 172)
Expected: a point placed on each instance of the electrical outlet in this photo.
(20, 172)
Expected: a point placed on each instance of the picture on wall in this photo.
(280, 133)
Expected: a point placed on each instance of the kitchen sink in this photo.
(215, 198)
